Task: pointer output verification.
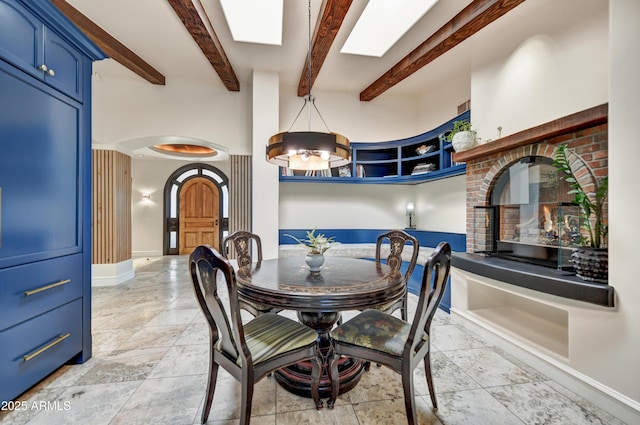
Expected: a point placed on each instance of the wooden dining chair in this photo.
(398, 239)
(378, 336)
(248, 351)
(243, 242)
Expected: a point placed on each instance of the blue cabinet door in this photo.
(64, 65)
(21, 36)
(39, 170)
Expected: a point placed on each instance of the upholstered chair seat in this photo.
(375, 330)
(270, 335)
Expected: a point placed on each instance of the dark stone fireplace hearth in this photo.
(536, 277)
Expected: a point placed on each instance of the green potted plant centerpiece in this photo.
(462, 136)
(316, 245)
(591, 259)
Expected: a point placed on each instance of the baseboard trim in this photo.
(606, 398)
(111, 274)
(138, 254)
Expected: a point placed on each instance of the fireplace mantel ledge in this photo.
(568, 124)
(538, 278)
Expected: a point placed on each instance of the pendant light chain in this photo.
(309, 100)
(309, 55)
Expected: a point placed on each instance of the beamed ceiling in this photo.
(177, 38)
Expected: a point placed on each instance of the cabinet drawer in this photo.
(31, 289)
(35, 348)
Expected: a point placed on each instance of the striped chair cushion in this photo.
(269, 335)
(375, 330)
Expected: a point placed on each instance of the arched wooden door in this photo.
(199, 214)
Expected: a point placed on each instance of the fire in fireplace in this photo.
(530, 217)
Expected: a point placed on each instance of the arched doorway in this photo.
(196, 208)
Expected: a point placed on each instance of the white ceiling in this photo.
(155, 33)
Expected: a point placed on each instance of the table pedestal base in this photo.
(297, 378)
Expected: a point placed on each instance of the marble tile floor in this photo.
(150, 359)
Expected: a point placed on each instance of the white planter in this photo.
(463, 140)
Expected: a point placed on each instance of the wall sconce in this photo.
(411, 218)
(146, 196)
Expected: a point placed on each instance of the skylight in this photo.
(382, 23)
(254, 21)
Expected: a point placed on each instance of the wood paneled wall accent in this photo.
(111, 215)
(240, 194)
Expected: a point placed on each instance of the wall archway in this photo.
(172, 188)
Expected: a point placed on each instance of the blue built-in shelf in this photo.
(393, 161)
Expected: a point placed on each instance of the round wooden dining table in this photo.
(342, 284)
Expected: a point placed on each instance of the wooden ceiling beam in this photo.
(332, 15)
(195, 19)
(477, 15)
(112, 47)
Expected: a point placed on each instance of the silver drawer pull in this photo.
(51, 72)
(44, 288)
(44, 348)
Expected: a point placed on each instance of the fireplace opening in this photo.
(530, 217)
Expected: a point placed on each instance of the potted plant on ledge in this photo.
(591, 260)
(316, 246)
(462, 136)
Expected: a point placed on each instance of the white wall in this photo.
(441, 205)
(343, 206)
(547, 67)
(440, 103)
(264, 185)
(385, 118)
(618, 341)
(127, 107)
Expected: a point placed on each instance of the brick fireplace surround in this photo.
(585, 133)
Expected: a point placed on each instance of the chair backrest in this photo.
(242, 242)
(225, 325)
(434, 282)
(398, 239)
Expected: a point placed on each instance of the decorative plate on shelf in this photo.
(421, 150)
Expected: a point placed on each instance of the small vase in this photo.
(314, 261)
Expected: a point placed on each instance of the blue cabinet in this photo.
(27, 43)
(45, 193)
(408, 161)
